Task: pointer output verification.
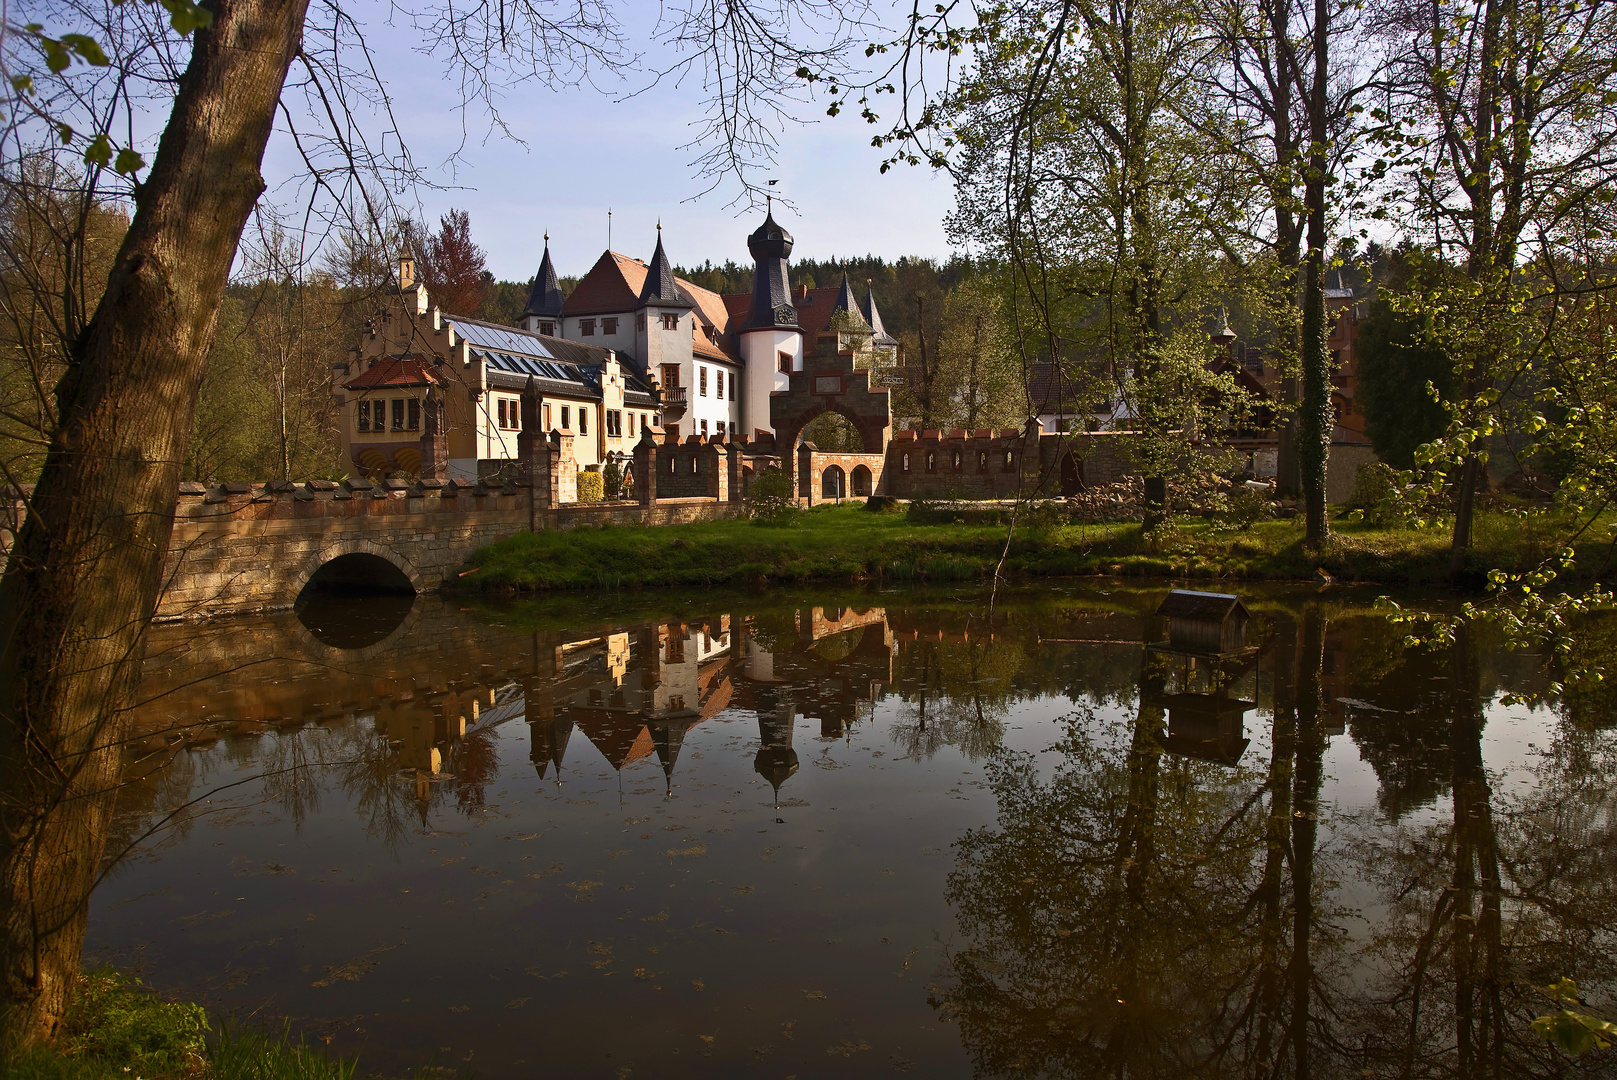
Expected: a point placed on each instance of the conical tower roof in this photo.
(846, 301)
(545, 298)
(661, 289)
(873, 317)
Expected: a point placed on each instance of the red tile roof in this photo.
(396, 371)
(613, 284)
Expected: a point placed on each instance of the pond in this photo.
(866, 834)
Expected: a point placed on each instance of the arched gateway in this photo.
(829, 382)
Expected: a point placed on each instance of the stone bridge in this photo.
(255, 547)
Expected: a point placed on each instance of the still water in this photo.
(866, 834)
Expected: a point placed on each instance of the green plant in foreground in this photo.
(1574, 1032)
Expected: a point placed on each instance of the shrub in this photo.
(1375, 486)
(612, 480)
(590, 487)
(1246, 508)
(115, 1019)
(771, 499)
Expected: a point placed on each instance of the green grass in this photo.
(117, 1029)
(848, 544)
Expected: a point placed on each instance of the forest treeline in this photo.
(265, 409)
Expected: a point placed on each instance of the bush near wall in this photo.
(590, 487)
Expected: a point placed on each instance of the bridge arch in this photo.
(360, 563)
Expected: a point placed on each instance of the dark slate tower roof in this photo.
(772, 307)
(545, 298)
(661, 289)
(846, 301)
(873, 317)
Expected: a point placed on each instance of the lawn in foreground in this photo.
(849, 543)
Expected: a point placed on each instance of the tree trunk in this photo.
(1306, 784)
(84, 576)
(1314, 436)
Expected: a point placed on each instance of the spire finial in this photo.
(659, 226)
(547, 238)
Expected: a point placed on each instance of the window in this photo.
(673, 464)
(614, 423)
(704, 429)
(670, 321)
(566, 416)
(398, 414)
(732, 429)
(670, 376)
(694, 464)
(906, 463)
(1010, 461)
(786, 362)
(510, 412)
(982, 461)
(501, 408)
(583, 420)
(956, 460)
(931, 462)
(640, 321)
(547, 416)
(547, 328)
(586, 328)
(701, 379)
(609, 326)
(362, 416)
(732, 386)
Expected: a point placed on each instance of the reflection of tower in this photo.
(548, 737)
(668, 736)
(776, 760)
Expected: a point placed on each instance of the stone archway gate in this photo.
(829, 382)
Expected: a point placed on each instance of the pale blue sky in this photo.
(586, 151)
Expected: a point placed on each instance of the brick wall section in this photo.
(812, 464)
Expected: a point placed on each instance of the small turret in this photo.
(771, 246)
(661, 290)
(545, 298)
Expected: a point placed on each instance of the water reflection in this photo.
(1323, 855)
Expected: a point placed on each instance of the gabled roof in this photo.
(661, 287)
(710, 309)
(1202, 606)
(545, 298)
(390, 372)
(613, 284)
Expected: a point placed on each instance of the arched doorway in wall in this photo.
(831, 483)
(1072, 475)
(860, 481)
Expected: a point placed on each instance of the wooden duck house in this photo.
(1212, 624)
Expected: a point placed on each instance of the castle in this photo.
(633, 348)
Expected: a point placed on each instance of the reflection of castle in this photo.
(635, 694)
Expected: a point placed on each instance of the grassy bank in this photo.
(848, 543)
(117, 1029)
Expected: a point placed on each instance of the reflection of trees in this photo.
(1486, 902)
(956, 694)
(1129, 913)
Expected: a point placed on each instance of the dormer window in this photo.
(670, 321)
(586, 328)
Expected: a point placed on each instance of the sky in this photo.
(579, 152)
